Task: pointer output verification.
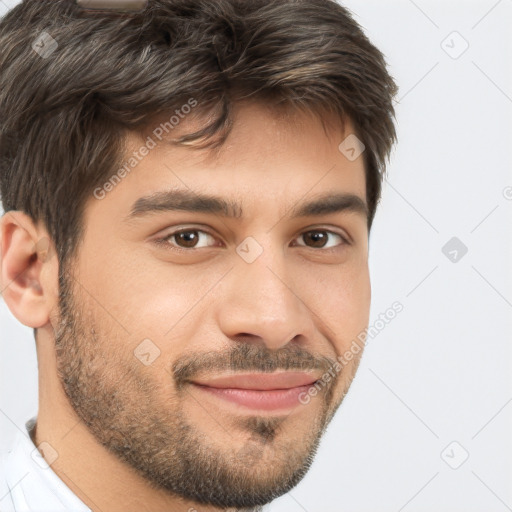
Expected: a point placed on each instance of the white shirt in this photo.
(28, 484)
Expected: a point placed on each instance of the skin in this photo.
(127, 436)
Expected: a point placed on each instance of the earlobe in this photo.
(24, 252)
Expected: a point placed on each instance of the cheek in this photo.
(170, 310)
(145, 300)
(341, 299)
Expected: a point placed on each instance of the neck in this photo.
(93, 473)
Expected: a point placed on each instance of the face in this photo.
(189, 338)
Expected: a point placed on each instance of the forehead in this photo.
(269, 157)
(260, 132)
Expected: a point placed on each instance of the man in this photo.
(188, 192)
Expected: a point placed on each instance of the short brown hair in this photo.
(64, 117)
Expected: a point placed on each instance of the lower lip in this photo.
(268, 400)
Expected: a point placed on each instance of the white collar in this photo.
(32, 486)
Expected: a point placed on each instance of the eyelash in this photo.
(165, 241)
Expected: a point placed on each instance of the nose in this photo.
(259, 304)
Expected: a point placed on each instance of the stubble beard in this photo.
(117, 403)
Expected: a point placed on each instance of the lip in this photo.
(259, 391)
(260, 381)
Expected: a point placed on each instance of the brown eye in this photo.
(319, 238)
(185, 239)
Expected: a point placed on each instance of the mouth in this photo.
(259, 391)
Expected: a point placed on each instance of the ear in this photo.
(28, 269)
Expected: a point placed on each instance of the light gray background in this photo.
(441, 370)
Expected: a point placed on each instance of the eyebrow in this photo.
(186, 200)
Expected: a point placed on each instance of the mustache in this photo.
(248, 357)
